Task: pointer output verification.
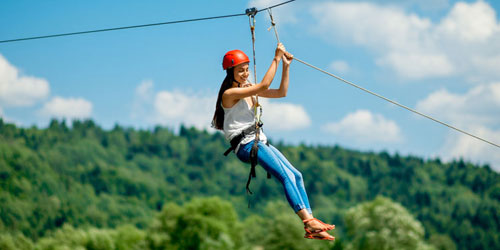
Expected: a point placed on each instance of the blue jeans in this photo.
(275, 163)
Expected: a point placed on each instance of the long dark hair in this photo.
(218, 120)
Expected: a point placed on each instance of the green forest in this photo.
(79, 186)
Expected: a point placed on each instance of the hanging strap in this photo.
(251, 12)
(255, 148)
(257, 108)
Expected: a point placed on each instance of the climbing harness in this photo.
(251, 130)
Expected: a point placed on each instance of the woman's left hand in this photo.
(287, 59)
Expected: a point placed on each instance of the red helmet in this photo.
(233, 58)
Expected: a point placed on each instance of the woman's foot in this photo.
(319, 236)
(315, 226)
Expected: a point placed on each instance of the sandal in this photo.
(318, 237)
(328, 227)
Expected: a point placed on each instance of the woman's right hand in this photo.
(287, 59)
(280, 51)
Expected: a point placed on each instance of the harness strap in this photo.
(254, 160)
(237, 139)
(258, 124)
(253, 163)
(253, 152)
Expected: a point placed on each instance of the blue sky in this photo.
(440, 57)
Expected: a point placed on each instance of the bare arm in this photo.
(233, 94)
(239, 93)
(285, 77)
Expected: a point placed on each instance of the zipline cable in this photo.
(398, 104)
(378, 95)
(120, 28)
(135, 26)
(276, 5)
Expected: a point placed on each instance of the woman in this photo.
(234, 114)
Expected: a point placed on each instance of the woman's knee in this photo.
(290, 176)
(296, 173)
(298, 176)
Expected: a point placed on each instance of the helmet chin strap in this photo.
(239, 83)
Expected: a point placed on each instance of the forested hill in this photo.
(84, 176)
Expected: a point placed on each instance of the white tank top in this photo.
(238, 118)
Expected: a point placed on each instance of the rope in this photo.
(134, 26)
(251, 18)
(382, 97)
(273, 24)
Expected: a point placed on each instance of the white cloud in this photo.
(479, 106)
(472, 149)
(143, 99)
(363, 126)
(464, 42)
(284, 116)
(7, 119)
(340, 66)
(378, 28)
(476, 111)
(145, 89)
(177, 107)
(470, 22)
(174, 108)
(68, 108)
(488, 65)
(18, 90)
(425, 5)
(415, 65)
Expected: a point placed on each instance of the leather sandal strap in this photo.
(308, 220)
(327, 226)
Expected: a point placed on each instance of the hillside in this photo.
(84, 176)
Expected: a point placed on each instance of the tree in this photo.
(203, 223)
(15, 242)
(279, 228)
(383, 224)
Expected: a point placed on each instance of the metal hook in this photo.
(251, 11)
